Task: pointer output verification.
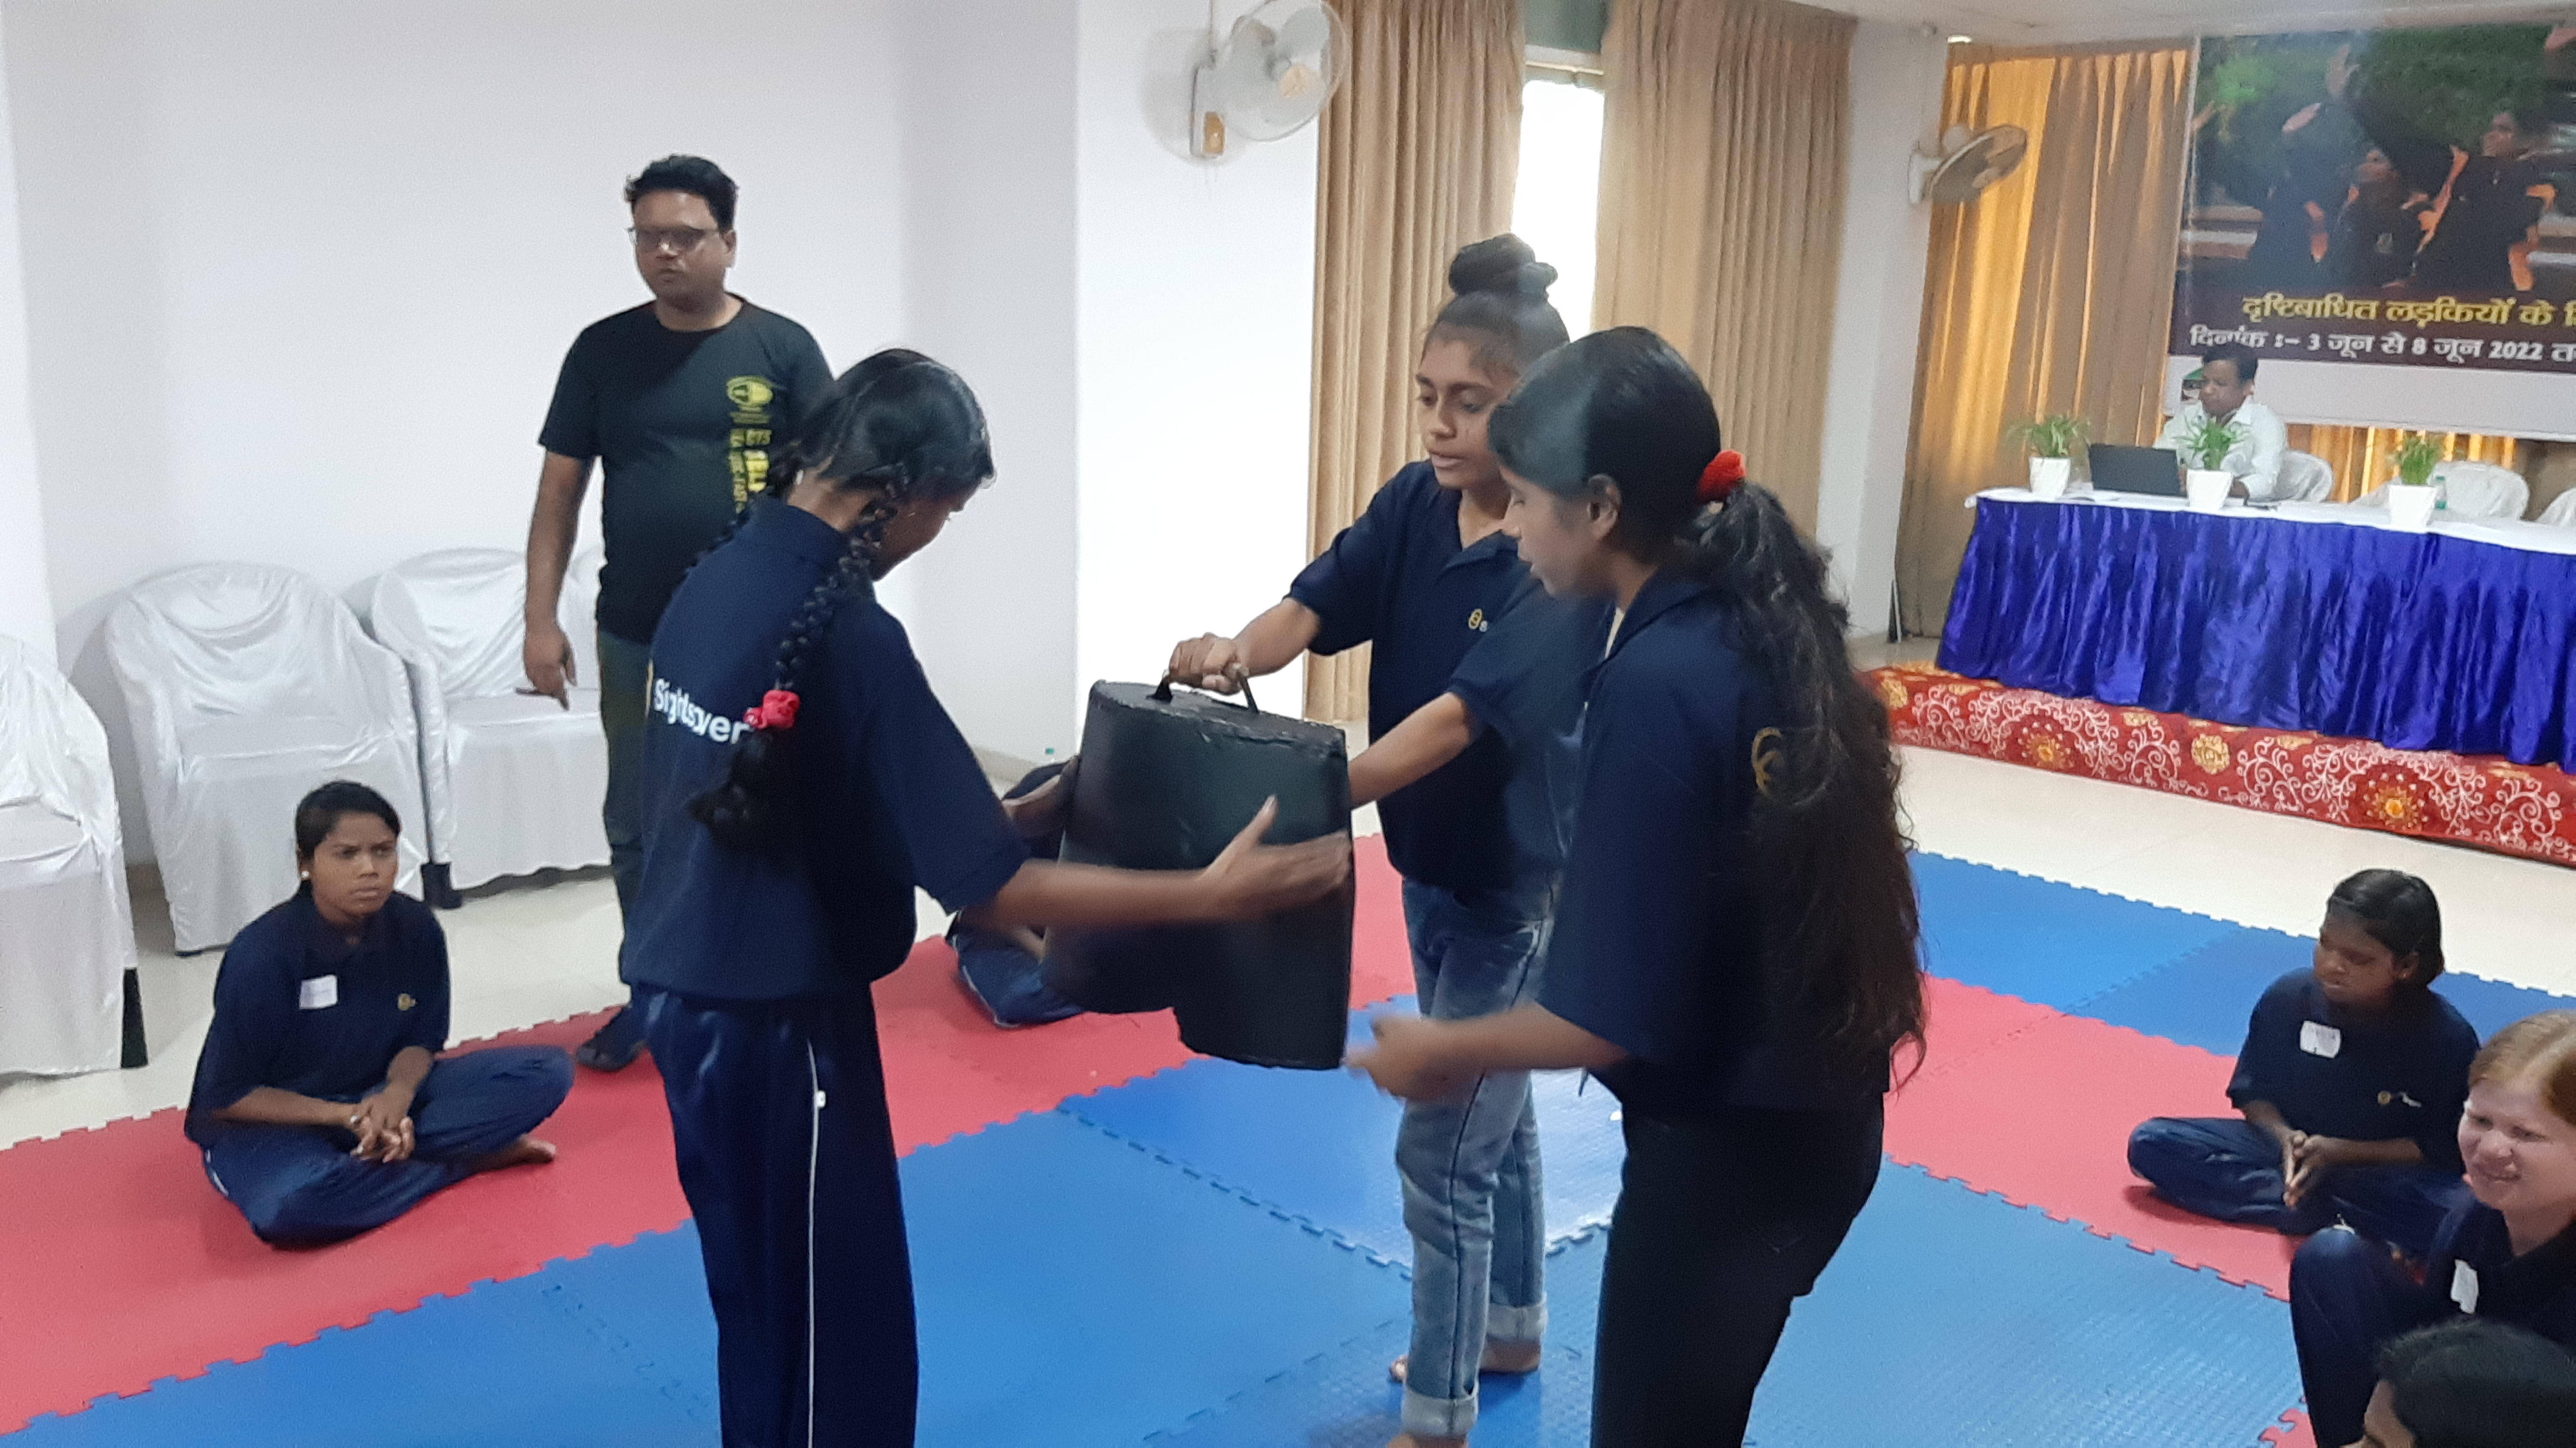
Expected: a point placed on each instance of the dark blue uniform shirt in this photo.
(1658, 942)
(2333, 1073)
(299, 1008)
(1396, 578)
(2536, 1290)
(1524, 683)
(883, 793)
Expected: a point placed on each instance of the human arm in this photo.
(1428, 738)
(381, 1120)
(1427, 1060)
(1246, 880)
(2267, 443)
(1265, 646)
(546, 653)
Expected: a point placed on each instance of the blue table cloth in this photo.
(2417, 640)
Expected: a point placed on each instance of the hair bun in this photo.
(1500, 264)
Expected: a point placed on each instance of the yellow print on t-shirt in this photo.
(747, 448)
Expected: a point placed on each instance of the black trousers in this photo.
(778, 1118)
(1721, 1225)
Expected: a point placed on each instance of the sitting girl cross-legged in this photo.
(2351, 1079)
(322, 1104)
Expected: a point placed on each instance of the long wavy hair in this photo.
(1840, 926)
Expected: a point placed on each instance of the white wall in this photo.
(26, 604)
(987, 99)
(300, 272)
(1896, 79)
(1197, 285)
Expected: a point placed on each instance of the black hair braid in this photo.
(741, 808)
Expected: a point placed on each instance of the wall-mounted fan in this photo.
(1269, 77)
(1970, 161)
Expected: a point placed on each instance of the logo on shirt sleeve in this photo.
(754, 428)
(1477, 621)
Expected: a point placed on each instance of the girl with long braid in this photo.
(795, 797)
(1734, 950)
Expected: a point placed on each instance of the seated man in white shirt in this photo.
(2227, 394)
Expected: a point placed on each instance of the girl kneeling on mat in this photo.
(2351, 1079)
(1734, 951)
(799, 782)
(321, 1103)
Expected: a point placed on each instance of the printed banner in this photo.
(2392, 199)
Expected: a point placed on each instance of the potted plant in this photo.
(2053, 441)
(2413, 496)
(2205, 446)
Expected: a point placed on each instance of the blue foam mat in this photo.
(610, 1349)
(1070, 1285)
(2047, 943)
(1325, 1150)
(2203, 999)
(1948, 1318)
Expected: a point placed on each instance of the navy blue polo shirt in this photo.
(1523, 682)
(1396, 578)
(1658, 942)
(2334, 1073)
(299, 1008)
(2536, 1290)
(883, 793)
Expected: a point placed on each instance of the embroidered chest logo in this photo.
(1766, 758)
(747, 445)
(1477, 621)
(2389, 1098)
(404, 1001)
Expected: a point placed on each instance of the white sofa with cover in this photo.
(513, 779)
(66, 928)
(248, 686)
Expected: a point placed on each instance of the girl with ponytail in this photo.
(800, 782)
(1425, 574)
(1734, 951)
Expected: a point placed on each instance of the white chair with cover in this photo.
(2305, 478)
(2470, 491)
(2561, 512)
(513, 779)
(66, 928)
(247, 687)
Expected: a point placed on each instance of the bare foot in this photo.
(1509, 1358)
(526, 1151)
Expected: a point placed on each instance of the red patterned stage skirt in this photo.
(2517, 809)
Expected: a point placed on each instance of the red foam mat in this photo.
(122, 1265)
(119, 1264)
(2041, 1117)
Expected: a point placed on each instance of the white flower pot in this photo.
(2411, 507)
(2206, 489)
(2048, 476)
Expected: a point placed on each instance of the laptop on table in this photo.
(2154, 471)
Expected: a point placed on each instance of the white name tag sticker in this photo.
(320, 992)
(2464, 1286)
(2318, 1039)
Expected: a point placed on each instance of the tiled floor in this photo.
(543, 949)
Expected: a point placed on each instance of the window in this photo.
(1557, 199)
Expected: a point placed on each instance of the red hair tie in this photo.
(777, 711)
(1723, 475)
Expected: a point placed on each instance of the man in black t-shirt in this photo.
(683, 401)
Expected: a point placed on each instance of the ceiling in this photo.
(2032, 22)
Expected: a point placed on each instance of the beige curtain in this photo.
(1419, 150)
(1723, 156)
(2050, 292)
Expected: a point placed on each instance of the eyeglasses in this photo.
(679, 239)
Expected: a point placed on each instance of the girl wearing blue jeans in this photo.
(1424, 575)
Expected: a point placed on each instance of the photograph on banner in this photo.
(2386, 199)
